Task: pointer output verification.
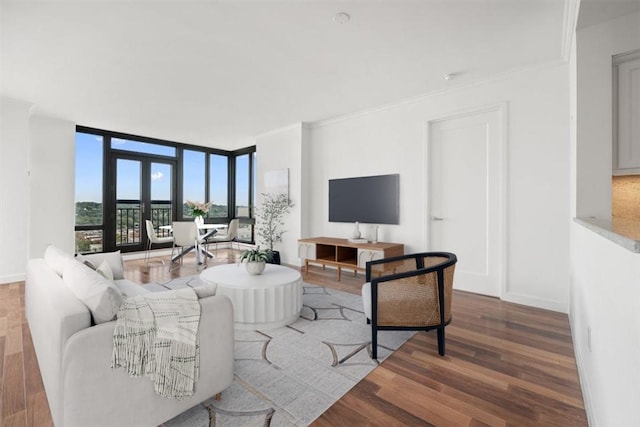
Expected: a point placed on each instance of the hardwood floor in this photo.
(506, 365)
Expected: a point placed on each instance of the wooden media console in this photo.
(343, 254)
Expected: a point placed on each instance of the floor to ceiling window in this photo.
(124, 180)
(193, 178)
(244, 173)
(219, 186)
(89, 192)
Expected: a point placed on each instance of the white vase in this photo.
(356, 231)
(374, 234)
(254, 267)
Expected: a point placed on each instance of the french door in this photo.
(142, 188)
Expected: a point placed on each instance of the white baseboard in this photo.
(12, 278)
(139, 255)
(535, 302)
(584, 382)
(166, 252)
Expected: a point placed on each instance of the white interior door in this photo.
(465, 197)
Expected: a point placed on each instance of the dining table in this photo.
(204, 232)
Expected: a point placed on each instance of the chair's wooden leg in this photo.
(218, 396)
(441, 341)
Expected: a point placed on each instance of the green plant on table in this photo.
(255, 255)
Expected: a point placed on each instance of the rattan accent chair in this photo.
(409, 292)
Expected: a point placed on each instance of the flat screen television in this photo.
(367, 199)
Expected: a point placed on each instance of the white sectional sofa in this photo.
(74, 355)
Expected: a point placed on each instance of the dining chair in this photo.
(184, 237)
(153, 239)
(229, 236)
(204, 234)
(409, 292)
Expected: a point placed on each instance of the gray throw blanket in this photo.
(156, 334)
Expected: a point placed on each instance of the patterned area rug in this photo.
(288, 376)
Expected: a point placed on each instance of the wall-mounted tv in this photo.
(367, 199)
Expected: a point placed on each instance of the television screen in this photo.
(367, 199)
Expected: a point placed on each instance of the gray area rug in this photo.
(288, 376)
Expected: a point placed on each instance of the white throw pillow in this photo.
(101, 296)
(83, 259)
(113, 258)
(105, 270)
(56, 259)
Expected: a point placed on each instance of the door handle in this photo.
(437, 218)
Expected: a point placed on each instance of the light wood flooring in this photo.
(506, 365)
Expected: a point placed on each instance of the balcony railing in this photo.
(128, 215)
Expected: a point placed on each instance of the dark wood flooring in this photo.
(506, 365)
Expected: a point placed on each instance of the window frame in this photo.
(107, 172)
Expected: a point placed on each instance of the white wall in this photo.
(595, 47)
(392, 140)
(51, 185)
(604, 276)
(283, 149)
(37, 186)
(14, 194)
(607, 301)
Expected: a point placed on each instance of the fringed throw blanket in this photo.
(156, 335)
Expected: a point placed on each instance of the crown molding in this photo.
(569, 24)
(297, 125)
(425, 96)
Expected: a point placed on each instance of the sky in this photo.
(89, 172)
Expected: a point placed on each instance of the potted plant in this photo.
(255, 259)
(270, 220)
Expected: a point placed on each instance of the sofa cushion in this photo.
(130, 289)
(113, 258)
(104, 270)
(56, 259)
(101, 296)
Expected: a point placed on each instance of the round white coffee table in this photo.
(268, 300)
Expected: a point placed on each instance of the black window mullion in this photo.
(108, 198)
(179, 183)
(231, 209)
(207, 171)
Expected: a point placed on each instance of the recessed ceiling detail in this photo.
(341, 18)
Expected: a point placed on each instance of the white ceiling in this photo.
(596, 11)
(219, 73)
